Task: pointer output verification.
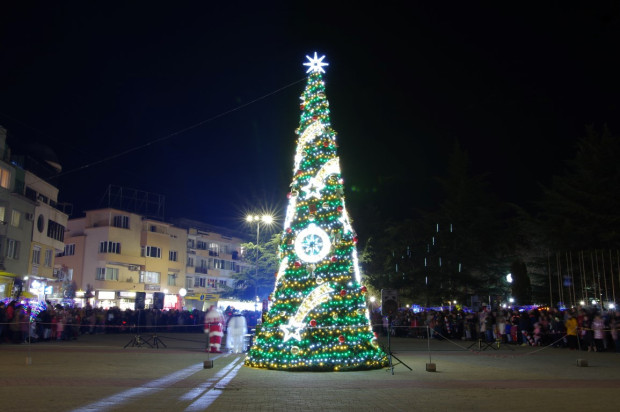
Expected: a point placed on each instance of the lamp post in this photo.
(258, 219)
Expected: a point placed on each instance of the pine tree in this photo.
(319, 319)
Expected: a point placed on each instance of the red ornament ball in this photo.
(355, 239)
(364, 289)
(343, 293)
(340, 208)
(297, 264)
(289, 230)
(334, 258)
(313, 323)
(326, 143)
(314, 117)
(341, 339)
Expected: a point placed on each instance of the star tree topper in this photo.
(315, 64)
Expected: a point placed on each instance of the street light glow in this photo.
(258, 219)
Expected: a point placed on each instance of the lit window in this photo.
(5, 177)
(149, 277)
(16, 217)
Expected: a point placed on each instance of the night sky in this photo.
(199, 102)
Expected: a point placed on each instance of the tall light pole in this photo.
(258, 219)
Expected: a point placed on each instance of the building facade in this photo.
(48, 231)
(213, 257)
(112, 254)
(16, 223)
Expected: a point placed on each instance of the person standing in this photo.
(571, 331)
(598, 328)
(213, 327)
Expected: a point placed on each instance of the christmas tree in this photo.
(318, 320)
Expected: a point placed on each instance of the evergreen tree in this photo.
(521, 286)
(472, 226)
(319, 320)
(580, 209)
(247, 283)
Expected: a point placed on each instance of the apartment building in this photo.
(213, 257)
(16, 223)
(48, 231)
(112, 254)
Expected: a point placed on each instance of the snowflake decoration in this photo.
(315, 64)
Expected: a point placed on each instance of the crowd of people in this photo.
(590, 329)
(19, 323)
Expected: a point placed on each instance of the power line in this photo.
(181, 131)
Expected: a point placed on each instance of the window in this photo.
(200, 282)
(5, 177)
(172, 279)
(121, 221)
(36, 255)
(55, 230)
(222, 283)
(149, 277)
(201, 245)
(107, 273)
(48, 258)
(190, 262)
(189, 282)
(173, 255)
(12, 248)
(151, 251)
(70, 250)
(16, 217)
(2, 214)
(109, 247)
(215, 248)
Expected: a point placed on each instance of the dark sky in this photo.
(215, 91)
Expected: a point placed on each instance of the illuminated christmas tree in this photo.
(319, 320)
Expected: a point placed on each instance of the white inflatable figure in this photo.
(235, 334)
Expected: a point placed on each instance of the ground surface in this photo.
(96, 373)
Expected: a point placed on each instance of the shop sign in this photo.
(152, 287)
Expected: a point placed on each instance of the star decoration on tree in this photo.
(315, 64)
(291, 331)
(312, 190)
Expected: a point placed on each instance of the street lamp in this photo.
(258, 219)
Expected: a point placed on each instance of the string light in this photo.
(318, 319)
